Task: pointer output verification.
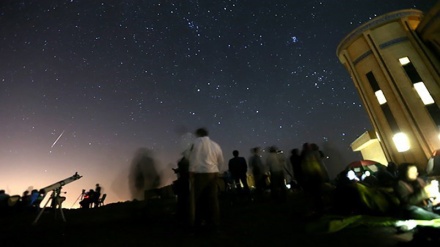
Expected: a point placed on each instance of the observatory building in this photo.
(394, 62)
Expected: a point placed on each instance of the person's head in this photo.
(201, 132)
(294, 151)
(314, 147)
(306, 146)
(273, 149)
(408, 171)
(235, 153)
(391, 167)
(255, 150)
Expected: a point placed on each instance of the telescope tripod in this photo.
(56, 201)
(80, 196)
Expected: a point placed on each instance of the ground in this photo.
(153, 223)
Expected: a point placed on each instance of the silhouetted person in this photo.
(238, 169)
(206, 162)
(315, 176)
(25, 199)
(35, 198)
(258, 170)
(97, 195)
(3, 199)
(393, 169)
(181, 189)
(88, 199)
(295, 161)
(386, 176)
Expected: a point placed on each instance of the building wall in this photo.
(371, 55)
(369, 146)
(429, 30)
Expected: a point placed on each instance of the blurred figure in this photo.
(276, 166)
(315, 176)
(295, 161)
(238, 169)
(386, 176)
(3, 195)
(206, 162)
(288, 171)
(35, 198)
(97, 195)
(313, 167)
(3, 199)
(181, 189)
(144, 175)
(88, 199)
(258, 170)
(25, 200)
(392, 168)
(415, 195)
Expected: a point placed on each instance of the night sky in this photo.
(84, 85)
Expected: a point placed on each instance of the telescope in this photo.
(59, 184)
(55, 196)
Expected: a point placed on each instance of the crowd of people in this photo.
(92, 198)
(30, 200)
(203, 174)
(200, 169)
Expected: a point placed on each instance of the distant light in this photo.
(401, 141)
(423, 93)
(404, 60)
(380, 97)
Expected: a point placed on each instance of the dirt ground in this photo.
(153, 223)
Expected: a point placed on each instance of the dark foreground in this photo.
(153, 223)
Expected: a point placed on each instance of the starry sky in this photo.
(85, 85)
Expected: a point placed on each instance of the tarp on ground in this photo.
(334, 223)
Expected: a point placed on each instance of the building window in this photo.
(410, 69)
(400, 139)
(404, 61)
(420, 88)
(423, 93)
(380, 97)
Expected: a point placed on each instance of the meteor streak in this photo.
(55, 142)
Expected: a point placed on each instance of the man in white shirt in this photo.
(205, 164)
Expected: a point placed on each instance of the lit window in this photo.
(401, 141)
(380, 97)
(404, 60)
(423, 93)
